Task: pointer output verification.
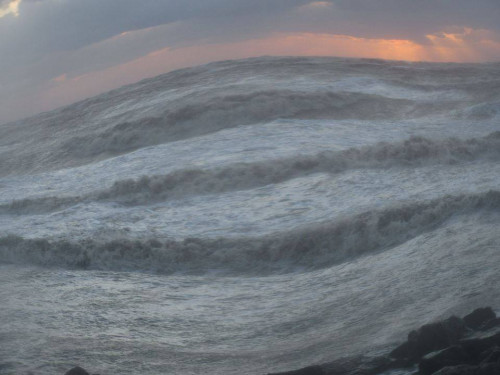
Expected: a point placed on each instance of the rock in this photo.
(429, 338)
(488, 369)
(458, 370)
(479, 317)
(77, 371)
(478, 344)
(402, 351)
(452, 356)
(491, 355)
(492, 323)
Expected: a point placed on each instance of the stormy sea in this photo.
(247, 217)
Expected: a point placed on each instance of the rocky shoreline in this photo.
(455, 346)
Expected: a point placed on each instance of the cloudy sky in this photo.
(54, 52)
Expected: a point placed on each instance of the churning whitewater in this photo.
(249, 216)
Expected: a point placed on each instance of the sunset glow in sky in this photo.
(54, 52)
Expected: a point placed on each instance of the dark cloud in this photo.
(76, 23)
(48, 26)
(405, 19)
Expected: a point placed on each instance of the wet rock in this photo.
(77, 371)
(458, 370)
(431, 337)
(402, 351)
(490, 324)
(452, 356)
(491, 355)
(489, 369)
(479, 317)
(475, 346)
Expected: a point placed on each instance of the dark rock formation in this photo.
(452, 356)
(491, 355)
(458, 370)
(429, 338)
(490, 324)
(77, 371)
(488, 369)
(477, 344)
(479, 317)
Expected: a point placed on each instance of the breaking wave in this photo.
(221, 112)
(300, 249)
(413, 152)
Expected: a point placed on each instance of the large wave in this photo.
(415, 151)
(189, 117)
(198, 101)
(220, 112)
(305, 248)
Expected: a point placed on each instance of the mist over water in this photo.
(249, 216)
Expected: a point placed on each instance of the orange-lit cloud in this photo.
(316, 5)
(61, 78)
(467, 45)
(11, 7)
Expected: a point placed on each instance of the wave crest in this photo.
(302, 249)
(413, 152)
(213, 113)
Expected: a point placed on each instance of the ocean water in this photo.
(249, 216)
